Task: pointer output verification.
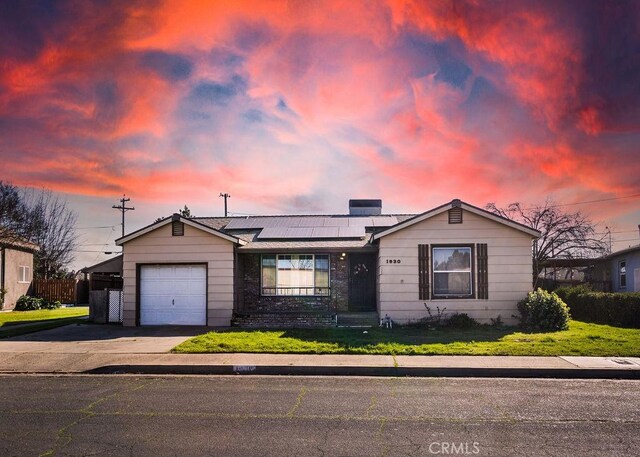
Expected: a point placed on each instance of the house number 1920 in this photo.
(393, 260)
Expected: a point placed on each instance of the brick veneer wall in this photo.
(251, 300)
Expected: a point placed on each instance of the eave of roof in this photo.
(628, 250)
(465, 206)
(187, 221)
(98, 265)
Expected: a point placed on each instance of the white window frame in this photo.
(470, 272)
(622, 264)
(24, 274)
(313, 262)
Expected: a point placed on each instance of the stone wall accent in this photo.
(250, 300)
(284, 320)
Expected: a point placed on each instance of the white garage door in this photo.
(173, 295)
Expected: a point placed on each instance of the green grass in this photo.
(581, 339)
(22, 317)
(38, 320)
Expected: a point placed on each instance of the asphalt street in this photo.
(316, 416)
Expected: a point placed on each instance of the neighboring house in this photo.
(104, 275)
(624, 269)
(312, 270)
(16, 270)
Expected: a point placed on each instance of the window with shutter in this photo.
(483, 271)
(423, 271)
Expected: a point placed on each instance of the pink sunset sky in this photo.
(295, 107)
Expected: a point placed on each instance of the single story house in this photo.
(16, 271)
(623, 268)
(323, 269)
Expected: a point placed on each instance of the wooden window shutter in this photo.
(483, 271)
(423, 271)
(177, 228)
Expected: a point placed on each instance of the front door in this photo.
(362, 282)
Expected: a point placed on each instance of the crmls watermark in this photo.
(446, 448)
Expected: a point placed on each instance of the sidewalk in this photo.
(82, 348)
(321, 365)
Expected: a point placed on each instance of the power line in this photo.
(91, 250)
(97, 227)
(592, 201)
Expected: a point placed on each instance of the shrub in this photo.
(27, 303)
(461, 321)
(50, 304)
(544, 311)
(620, 309)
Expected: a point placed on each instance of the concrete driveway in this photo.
(106, 339)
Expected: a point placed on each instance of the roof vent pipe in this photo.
(365, 207)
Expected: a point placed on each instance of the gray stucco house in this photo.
(316, 270)
(16, 270)
(624, 269)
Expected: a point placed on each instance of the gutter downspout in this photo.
(2, 268)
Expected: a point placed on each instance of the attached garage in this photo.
(178, 271)
(173, 295)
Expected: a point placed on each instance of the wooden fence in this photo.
(63, 290)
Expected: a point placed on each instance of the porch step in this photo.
(364, 319)
(284, 320)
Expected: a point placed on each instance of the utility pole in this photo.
(226, 196)
(124, 208)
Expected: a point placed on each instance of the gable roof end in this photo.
(185, 220)
(457, 204)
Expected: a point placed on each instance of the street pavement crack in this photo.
(64, 436)
(296, 405)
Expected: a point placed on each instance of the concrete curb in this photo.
(454, 372)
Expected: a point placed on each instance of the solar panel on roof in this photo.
(336, 222)
(311, 222)
(244, 223)
(309, 232)
(384, 221)
(351, 232)
(325, 232)
(299, 232)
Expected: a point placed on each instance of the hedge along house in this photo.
(297, 271)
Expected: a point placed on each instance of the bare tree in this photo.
(51, 226)
(13, 215)
(39, 217)
(564, 234)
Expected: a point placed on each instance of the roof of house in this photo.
(318, 231)
(112, 265)
(628, 250)
(457, 204)
(19, 243)
(178, 218)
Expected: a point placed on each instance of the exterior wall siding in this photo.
(510, 270)
(632, 260)
(196, 246)
(13, 260)
(250, 299)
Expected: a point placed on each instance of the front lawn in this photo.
(34, 321)
(21, 317)
(581, 339)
